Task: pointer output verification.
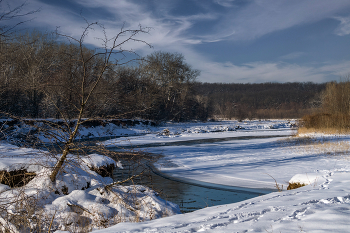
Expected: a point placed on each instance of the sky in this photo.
(229, 41)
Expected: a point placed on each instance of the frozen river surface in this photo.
(263, 154)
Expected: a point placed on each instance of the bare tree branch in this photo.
(87, 88)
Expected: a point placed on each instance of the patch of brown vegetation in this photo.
(304, 130)
(104, 171)
(326, 123)
(295, 185)
(16, 178)
(334, 113)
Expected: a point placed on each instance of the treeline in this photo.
(40, 77)
(262, 101)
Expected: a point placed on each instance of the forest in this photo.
(40, 78)
(260, 100)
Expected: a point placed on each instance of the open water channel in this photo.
(190, 195)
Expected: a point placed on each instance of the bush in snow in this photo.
(78, 201)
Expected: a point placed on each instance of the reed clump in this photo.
(294, 185)
(334, 113)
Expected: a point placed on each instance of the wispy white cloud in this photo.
(262, 17)
(251, 21)
(176, 33)
(344, 27)
(166, 30)
(340, 70)
(260, 72)
(225, 3)
(293, 55)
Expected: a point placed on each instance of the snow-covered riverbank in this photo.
(79, 200)
(318, 160)
(249, 154)
(321, 208)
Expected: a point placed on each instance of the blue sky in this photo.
(230, 41)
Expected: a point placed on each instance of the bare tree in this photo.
(89, 76)
(10, 14)
(10, 19)
(173, 78)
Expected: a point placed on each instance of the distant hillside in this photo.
(264, 100)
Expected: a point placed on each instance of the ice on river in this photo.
(252, 154)
(255, 154)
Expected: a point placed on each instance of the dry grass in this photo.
(27, 214)
(304, 130)
(23, 213)
(326, 123)
(334, 114)
(334, 147)
(295, 185)
(16, 178)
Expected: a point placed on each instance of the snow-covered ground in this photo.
(45, 130)
(251, 154)
(79, 200)
(254, 157)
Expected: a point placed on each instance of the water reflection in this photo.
(193, 197)
(188, 196)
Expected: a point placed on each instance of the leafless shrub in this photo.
(295, 185)
(334, 114)
(16, 178)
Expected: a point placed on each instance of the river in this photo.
(190, 195)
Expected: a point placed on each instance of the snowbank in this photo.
(323, 208)
(52, 130)
(247, 154)
(79, 196)
(308, 179)
(320, 161)
(96, 160)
